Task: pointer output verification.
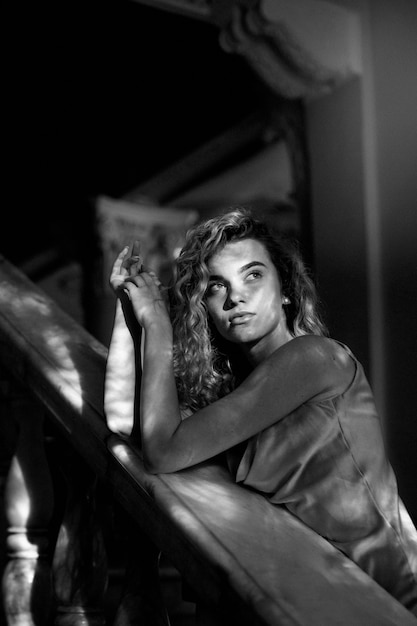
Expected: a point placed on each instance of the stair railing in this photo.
(246, 562)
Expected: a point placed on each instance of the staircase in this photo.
(181, 612)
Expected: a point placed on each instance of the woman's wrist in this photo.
(161, 327)
(159, 330)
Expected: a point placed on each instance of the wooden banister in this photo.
(249, 562)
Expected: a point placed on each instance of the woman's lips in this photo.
(241, 318)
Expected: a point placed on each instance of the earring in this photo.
(286, 300)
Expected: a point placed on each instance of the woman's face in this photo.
(244, 298)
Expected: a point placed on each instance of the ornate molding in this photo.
(300, 48)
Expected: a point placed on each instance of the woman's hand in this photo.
(124, 266)
(130, 280)
(146, 295)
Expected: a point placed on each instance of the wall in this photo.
(394, 30)
(363, 150)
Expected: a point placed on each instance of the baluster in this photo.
(80, 562)
(28, 503)
(142, 601)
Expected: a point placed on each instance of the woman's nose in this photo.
(235, 295)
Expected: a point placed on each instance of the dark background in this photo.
(100, 97)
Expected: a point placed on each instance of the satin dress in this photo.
(327, 464)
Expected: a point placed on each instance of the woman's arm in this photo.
(157, 409)
(120, 381)
(297, 372)
(123, 375)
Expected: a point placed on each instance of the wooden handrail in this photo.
(242, 556)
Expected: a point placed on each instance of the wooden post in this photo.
(80, 561)
(28, 503)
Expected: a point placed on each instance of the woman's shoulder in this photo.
(328, 361)
(318, 347)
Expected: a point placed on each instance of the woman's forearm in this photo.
(120, 380)
(159, 408)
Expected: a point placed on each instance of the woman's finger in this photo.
(136, 248)
(140, 280)
(134, 261)
(118, 273)
(156, 280)
(145, 280)
(136, 267)
(120, 258)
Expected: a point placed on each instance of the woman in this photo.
(243, 351)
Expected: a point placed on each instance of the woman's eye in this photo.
(254, 275)
(214, 288)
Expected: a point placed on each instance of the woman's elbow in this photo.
(155, 462)
(151, 465)
(165, 459)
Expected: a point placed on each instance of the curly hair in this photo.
(205, 365)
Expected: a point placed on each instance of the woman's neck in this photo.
(257, 352)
